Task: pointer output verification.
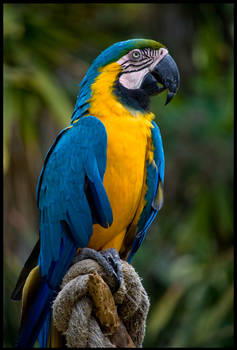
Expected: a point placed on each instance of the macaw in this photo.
(101, 185)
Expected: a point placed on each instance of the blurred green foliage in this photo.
(186, 261)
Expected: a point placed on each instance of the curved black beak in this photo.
(166, 73)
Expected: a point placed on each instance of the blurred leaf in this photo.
(207, 326)
(53, 94)
(163, 310)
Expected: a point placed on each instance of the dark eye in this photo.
(136, 55)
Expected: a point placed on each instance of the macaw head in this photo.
(128, 72)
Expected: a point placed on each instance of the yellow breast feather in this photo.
(128, 148)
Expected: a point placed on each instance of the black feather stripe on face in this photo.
(147, 56)
(139, 66)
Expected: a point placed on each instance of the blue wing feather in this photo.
(66, 217)
(154, 181)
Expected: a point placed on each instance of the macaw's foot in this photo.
(109, 259)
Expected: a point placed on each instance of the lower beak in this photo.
(166, 73)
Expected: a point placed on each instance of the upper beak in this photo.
(166, 73)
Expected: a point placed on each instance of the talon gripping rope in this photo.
(84, 299)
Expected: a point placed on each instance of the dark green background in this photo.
(186, 261)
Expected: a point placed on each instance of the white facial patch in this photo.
(133, 80)
(133, 71)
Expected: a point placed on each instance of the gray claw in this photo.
(112, 256)
(109, 259)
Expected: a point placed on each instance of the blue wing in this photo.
(71, 197)
(154, 195)
(77, 161)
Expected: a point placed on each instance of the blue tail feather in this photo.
(45, 331)
(38, 319)
(36, 316)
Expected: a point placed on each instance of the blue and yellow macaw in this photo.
(101, 184)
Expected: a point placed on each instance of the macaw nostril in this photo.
(162, 52)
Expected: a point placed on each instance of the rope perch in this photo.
(87, 313)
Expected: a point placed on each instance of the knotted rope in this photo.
(87, 313)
